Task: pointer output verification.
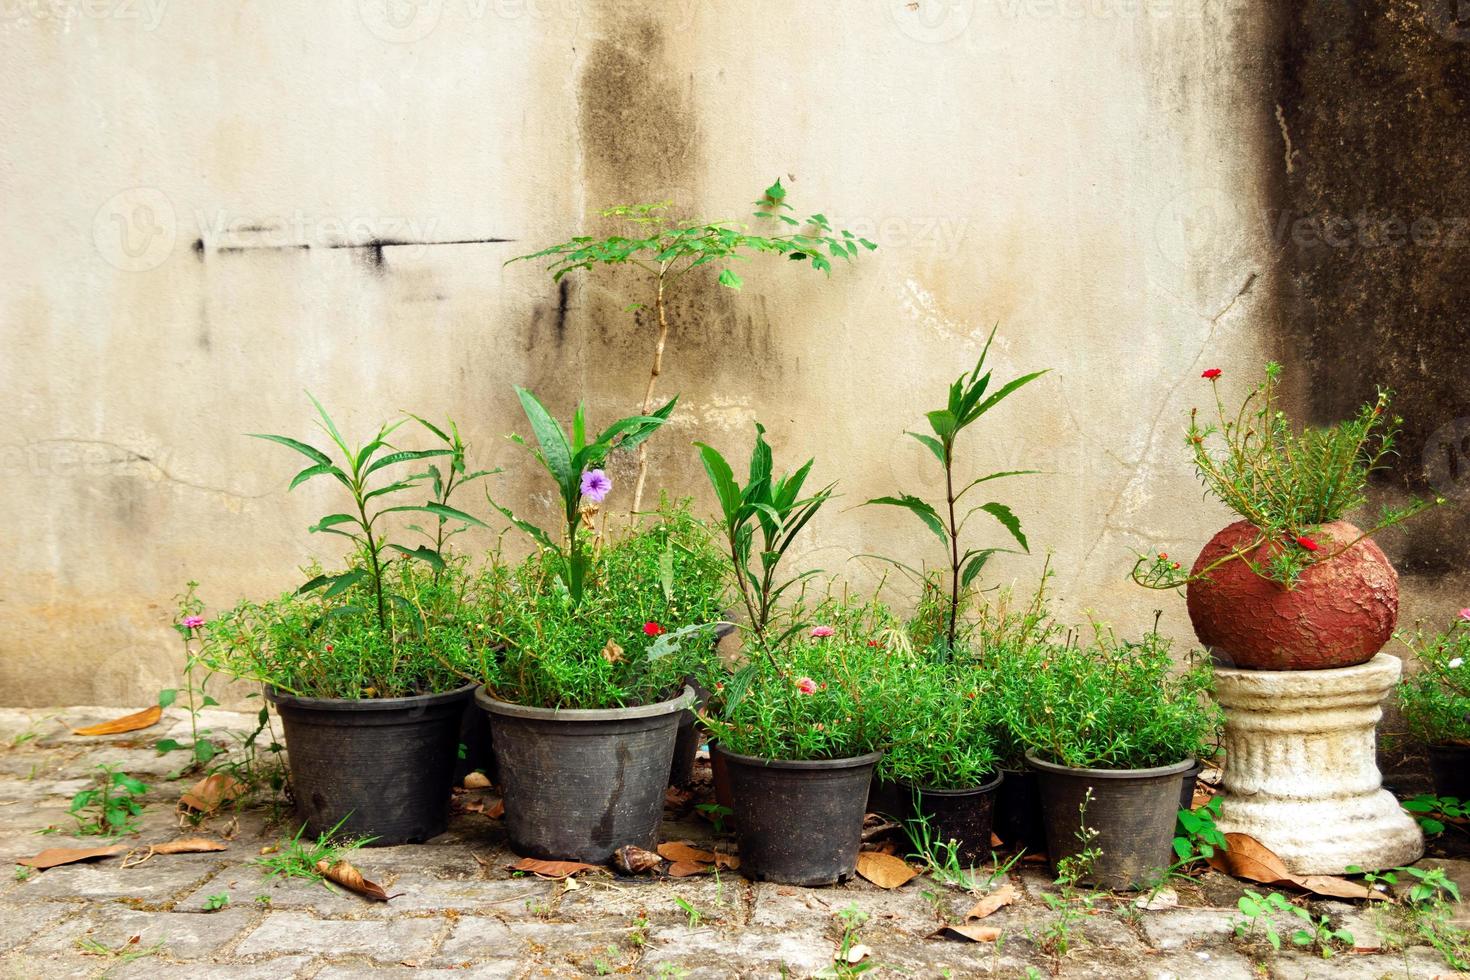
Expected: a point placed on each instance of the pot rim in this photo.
(1177, 769)
(495, 706)
(849, 762)
(278, 697)
(968, 790)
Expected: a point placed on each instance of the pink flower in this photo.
(651, 628)
(821, 631)
(1465, 614)
(193, 622)
(806, 685)
(1212, 373)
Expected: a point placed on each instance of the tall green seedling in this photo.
(967, 404)
(667, 251)
(574, 464)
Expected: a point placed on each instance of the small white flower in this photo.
(1380, 887)
(1457, 661)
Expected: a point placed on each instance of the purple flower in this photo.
(193, 622)
(596, 486)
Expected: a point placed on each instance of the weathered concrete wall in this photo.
(1088, 175)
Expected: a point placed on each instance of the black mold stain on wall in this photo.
(1370, 215)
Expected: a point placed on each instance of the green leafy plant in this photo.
(1117, 705)
(850, 920)
(645, 622)
(1072, 902)
(774, 508)
(941, 860)
(358, 470)
(110, 807)
(1429, 906)
(1435, 697)
(940, 733)
(717, 815)
(693, 914)
(1435, 813)
(22, 873)
(967, 404)
(213, 903)
(1285, 481)
(298, 856)
(1196, 838)
(125, 953)
(190, 620)
(1261, 912)
(666, 251)
(455, 475)
(574, 465)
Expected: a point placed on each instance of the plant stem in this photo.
(954, 546)
(658, 363)
(372, 549)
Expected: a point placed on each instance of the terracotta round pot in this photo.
(1339, 614)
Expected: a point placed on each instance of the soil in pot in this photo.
(1449, 767)
(1017, 820)
(579, 784)
(799, 823)
(1132, 810)
(383, 767)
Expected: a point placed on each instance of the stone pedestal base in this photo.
(1301, 774)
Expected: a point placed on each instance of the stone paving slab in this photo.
(459, 911)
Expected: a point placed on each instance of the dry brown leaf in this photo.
(54, 857)
(635, 860)
(189, 845)
(127, 723)
(477, 780)
(1245, 857)
(495, 810)
(998, 899)
(974, 933)
(212, 792)
(344, 874)
(884, 870)
(689, 854)
(553, 869)
(687, 869)
(676, 798)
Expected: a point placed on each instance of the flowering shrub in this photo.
(1285, 482)
(646, 619)
(1435, 698)
(1116, 705)
(940, 726)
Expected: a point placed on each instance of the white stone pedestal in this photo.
(1301, 775)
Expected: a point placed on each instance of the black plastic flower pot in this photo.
(1017, 820)
(892, 800)
(686, 747)
(1186, 787)
(965, 816)
(580, 783)
(799, 823)
(1449, 767)
(382, 767)
(1132, 811)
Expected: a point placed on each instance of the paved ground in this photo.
(459, 912)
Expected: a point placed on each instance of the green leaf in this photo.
(423, 553)
(310, 452)
(166, 745)
(993, 476)
(776, 192)
(933, 444)
(404, 455)
(1012, 523)
(167, 696)
(942, 422)
(990, 402)
(722, 478)
(343, 582)
(555, 454)
(317, 470)
(974, 564)
(440, 510)
(540, 536)
(920, 509)
(332, 520)
(730, 280)
(204, 750)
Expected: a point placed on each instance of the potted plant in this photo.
(363, 665)
(1292, 585)
(1435, 699)
(1111, 730)
(584, 699)
(797, 732)
(940, 754)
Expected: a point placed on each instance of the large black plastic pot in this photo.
(962, 815)
(798, 823)
(1449, 767)
(1187, 784)
(1018, 822)
(1132, 810)
(383, 767)
(580, 783)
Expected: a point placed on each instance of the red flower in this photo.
(1163, 556)
(653, 629)
(1212, 373)
(1308, 543)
